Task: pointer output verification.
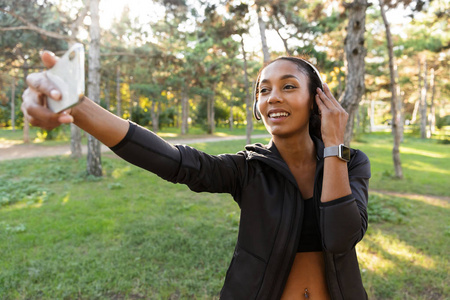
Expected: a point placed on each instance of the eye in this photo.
(289, 86)
(263, 90)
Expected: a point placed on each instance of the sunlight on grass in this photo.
(167, 134)
(221, 134)
(389, 251)
(429, 167)
(117, 173)
(5, 143)
(408, 150)
(380, 146)
(23, 205)
(66, 199)
(422, 198)
(372, 261)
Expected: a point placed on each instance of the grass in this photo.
(130, 235)
(425, 164)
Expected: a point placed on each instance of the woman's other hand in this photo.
(34, 105)
(333, 117)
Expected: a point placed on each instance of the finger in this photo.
(40, 83)
(37, 114)
(327, 92)
(43, 117)
(49, 59)
(326, 102)
(320, 104)
(65, 117)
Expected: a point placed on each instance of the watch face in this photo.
(345, 152)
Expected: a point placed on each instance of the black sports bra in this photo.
(310, 240)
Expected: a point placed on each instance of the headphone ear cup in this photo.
(256, 112)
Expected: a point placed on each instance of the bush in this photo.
(442, 121)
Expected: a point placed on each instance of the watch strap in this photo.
(331, 151)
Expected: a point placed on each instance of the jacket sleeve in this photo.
(201, 172)
(343, 222)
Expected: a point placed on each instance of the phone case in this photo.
(68, 76)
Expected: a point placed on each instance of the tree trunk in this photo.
(355, 53)
(118, 96)
(262, 32)
(423, 103)
(417, 103)
(13, 104)
(26, 124)
(248, 103)
(75, 141)
(211, 115)
(372, 115)
(155, 115)
(94, 164)
(107, 97)
(432, 115)
(184, 109)
(397, 127)
(75, 131)
(231, 118)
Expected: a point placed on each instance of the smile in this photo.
(278, 115)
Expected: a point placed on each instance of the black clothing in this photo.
(271, 211)
(310, 240)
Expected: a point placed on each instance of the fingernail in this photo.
(55, 94)
(49, 52)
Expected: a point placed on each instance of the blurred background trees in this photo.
(180, 63)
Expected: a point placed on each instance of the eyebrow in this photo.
(286, 76)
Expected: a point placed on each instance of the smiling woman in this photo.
(303, 205)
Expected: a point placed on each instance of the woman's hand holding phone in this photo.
(51, 94)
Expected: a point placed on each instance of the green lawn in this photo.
(130, 235)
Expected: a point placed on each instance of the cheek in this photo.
(260, 106)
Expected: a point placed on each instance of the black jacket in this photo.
(271, 211)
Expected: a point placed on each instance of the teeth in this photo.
(278, 115)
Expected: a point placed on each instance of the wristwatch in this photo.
(341, 151)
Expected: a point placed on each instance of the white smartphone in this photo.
(68, 76)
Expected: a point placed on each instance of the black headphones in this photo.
(256, 112)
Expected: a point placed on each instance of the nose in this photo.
(274, 97)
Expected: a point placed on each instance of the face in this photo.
(284, 100)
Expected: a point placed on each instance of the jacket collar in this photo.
(270, 155)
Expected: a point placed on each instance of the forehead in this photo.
(280, 68)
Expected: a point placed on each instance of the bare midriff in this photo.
(307, 278)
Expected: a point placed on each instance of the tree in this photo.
(262, 33)
(396, 102)
(240, 19)
(26, 28)
(355, 54)
(94, 164)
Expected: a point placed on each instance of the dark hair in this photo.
(314, 82)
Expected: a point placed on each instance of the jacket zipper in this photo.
(285, 273)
